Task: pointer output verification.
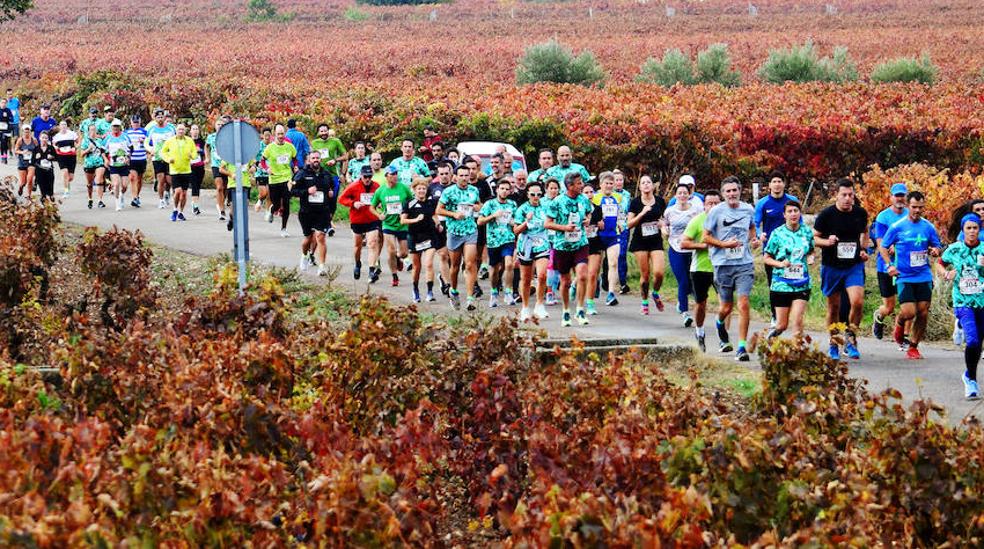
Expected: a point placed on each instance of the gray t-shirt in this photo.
(727, 223)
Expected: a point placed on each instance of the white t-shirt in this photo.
(677, 221)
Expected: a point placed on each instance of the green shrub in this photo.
(354, 14)
(552, 62)
(675, 67)
(714, 65)
(803, 64)
(905, 69)
(265, 11)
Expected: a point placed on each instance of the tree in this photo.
(552, 62)
(9, 9)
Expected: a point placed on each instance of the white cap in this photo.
(116, 122)
(687, 180)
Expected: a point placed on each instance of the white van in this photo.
(483, 150)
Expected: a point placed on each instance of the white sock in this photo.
(699, 330)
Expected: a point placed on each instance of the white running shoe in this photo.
(540, 311)
(302, 265)
(284, 233)
(268, 216)
(322, 271)
(162, 205)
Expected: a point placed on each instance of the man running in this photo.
(44, 122)
(568, 216)
(137, 136)
(355, 164)
(6, 129)
(546, 161)
(769, 216)
(315, 187)
(496, 217)
(915, 241)
(366, 227)
(445, 179)
(280, 158)
(178, 152)
(566, 165)
(158, 132)
(729, 230)
(409, 166)
(214, 161)
(886, 286)
(333, 156)
(841, 230)
(117, 157)
(459, 204)
(388, 202)
(701, 268)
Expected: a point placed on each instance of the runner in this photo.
(696, 198)
(43, 159)
(314, 186)
(24, 150)
(769, 216)
(546, 160)
(789, 255)
(915, 240)
(102, 127)
(65, 142)
(955, 234)
(388, 202)
(729, 230)
(596, 250)
(646, 243)
(258, 167)
(409, 166)
(93, 164)
(198, 167)
(138, 157)
(623, 237)
(568, 216)
(459, 204)
(13, 103)
(158, 132)
(6, 129)
(701, 269)
(965, 261)
(426, 148)
(220, 181)
(886, 286)
(566, 165)
(333, 158)
(117, 157)
(354, 171)
(178, 152)
(553, 277)
(43, 123)
(532, 251)
(419, 218)
(365, 225)
(485, 193)
(841, 230)
(610, 206)
(675, 221)
(279, 156)
(444, 180)
(228, 171)
(297, 138)
(437, 152)
(497, 217)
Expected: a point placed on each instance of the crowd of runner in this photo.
(556, 234)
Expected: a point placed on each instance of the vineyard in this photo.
(226, 420)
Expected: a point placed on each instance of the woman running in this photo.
(65, 143)
(533, 251)
(43, 159)
(418, 215)
(964, 261)
(197, 167)
(646, 243)
(790, 253)
(93, 164)
(610, 205)
(553, 277)
(24, 151)
(676, 218)
(117, 156)
(596, 250)
(261, 174)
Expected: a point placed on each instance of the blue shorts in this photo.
(609, 241)
(498, 255)
(833, 279)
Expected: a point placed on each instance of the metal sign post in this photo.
(239, 142)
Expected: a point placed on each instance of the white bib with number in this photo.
(65, 150)
(573, 236)
(466, 209)
(735, 253)
(420, 246)
(592, 231)
(846, 250)
(283, 159)
(918, 259)
(504, 219)
(3, 126)
(970, 285)
(394, 208)
(26, 156)
(537, 241)
(794, 272)
(609, 209)
(45, 164)
(651, 228)
(324, 154)
(365, 198)
(317, 198)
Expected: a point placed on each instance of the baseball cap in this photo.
(391, 169)
(117, 122)
(899, 188)
(93, 110)
(687, 180)
(367, 170)
(46, 106)
(109, 108)
(135, 118)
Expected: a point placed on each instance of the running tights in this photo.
(680, 264)
(972, 322)
(280, 198)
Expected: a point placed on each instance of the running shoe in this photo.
(834, 351)
(565, 319)
(302, 265)
(374, 273)
(483, 272)
(196, 210)
(624, 290)
(851, 351)
(688, 321)
(229, 225)
(181, 216)
(658, 302)
(971, 391)
(119, 204)
(222, 215)
(322, 271)
(913, 354)
(477, 293)
(493, 300)
(357, 272)
(524, 315)
(701, 344)
(899, 335)
(138, 202)
(550, 299)
(540, 312)
(135, 203)
(167, 196)
(101, 204)
(455, 299)
(174, 215)
(331, 231)
(611, 300)
(445, 287)
(161, 204)
(582, 318)
(877, 326)
(430, 296)
(742, 355)
(90, 204)
(589, 306)
(396, 280)
(723, 334)
(311, 261)
(415, 295)
(644, 309)
(725, 347)
(284, 233)
(268, 216)
(470, 303)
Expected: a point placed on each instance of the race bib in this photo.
(365, 198)
(324, 154)
(65, 150)
(847, 250)
(969, 285)
(26, 156)
(918, 259)
(735, 253)
(609, 209)
(394, 208)
(317, 198)
(283, 159)
(196, 159)
(421, 246)
(650, 229)
(592, 231)
(538, 241)
(3, 126)
(45, 164)
(504, 219)
(794, 272)
(573, 236)
(466, 209)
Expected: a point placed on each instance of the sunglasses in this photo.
(536, 194)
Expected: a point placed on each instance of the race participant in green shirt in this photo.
(566, 165)
(178, 152)
(117, 156)
(546, 159)
(701, 269)
(459, 204)
(568, 216)
(212, 159)
(280, 158)
(964, 263)
(409, 166)
(496, 216)
(789, 252)
(333, 159)
(388, 202)
(93, 164)
(532, 251)
(158, 132)
(354, 171)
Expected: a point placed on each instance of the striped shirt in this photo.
(137, 139)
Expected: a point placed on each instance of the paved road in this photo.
(936, 378)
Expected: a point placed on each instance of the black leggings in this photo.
(4, 144)
(197, 176)
(46, 183)
(280, 198)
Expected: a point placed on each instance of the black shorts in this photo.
(596, 246)
(421, 243)
(400, 235)
(364, 228)
(646, 244)
(314, 220)
(160, 167)
(139, 166)
(122, 171)
(67, 162)
(784, 300)
(90, 170)
(180, 181)
(915, 292)
(886, 285)
(262, 180)
(440, 240)
(701, 282)
(537, 256)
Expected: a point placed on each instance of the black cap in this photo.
(135, 118)
(366, 170)
(46, 105)
(93, 110)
